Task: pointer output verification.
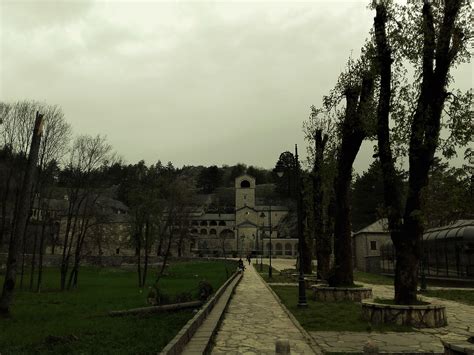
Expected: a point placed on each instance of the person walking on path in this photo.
(249, 259)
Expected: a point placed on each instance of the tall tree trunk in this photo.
(145, 262)
(73, 276)
(165, 258)
(353, 133)
(23, 253)
(63, 269)
(323, 246)
(4, 205)
(67, 252)
(307, 249)
(40, 255)
(33, 258)
(23, 212)
(159, 248)
(138, 250)
(392, 193)
(439, 52)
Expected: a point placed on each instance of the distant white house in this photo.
(366, 245)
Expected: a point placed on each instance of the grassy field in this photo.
(329, 316)
(76, 322)
(276, 276)
(373, 279)
(462, 296)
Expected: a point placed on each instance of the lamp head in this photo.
(279, 169)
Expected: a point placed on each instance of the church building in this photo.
(246, 231)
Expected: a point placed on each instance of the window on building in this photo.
(245, 184)
(373, 245)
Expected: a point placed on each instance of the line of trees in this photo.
(40, 163)
(376, 98)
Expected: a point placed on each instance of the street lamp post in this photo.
(302, 302)
(301, 284)
(423, 275)
(271, 246)
(270, 228)
(261, 252)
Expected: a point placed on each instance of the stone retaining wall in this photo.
(333, 294)
(419, 316)
(178, 343)
(458, 347)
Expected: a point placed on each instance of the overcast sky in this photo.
(188, 82)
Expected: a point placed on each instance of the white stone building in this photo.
(247, 231)
(366, 245)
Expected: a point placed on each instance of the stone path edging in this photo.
(179, 342)
(311, 342)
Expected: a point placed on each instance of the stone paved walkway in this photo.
(389, 342)
(254, 320)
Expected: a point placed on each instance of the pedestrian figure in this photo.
(249, 259)
(241, 266)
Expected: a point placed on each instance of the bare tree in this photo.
(178, 209)
(320, 130)
(56, 138)
(23, 211)
(88, 155)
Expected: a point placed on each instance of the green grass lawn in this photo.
(462, 296)
(373, 279)
(329, 316)
(276, 276)
(79, 318)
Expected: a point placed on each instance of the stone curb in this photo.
(309, 339)
(179, 342)
(458, 347)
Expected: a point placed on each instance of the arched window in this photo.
(245, 184)
(194, 231)
(203, 231)
(279, 249)
(288, 250)
(222, 223)
(227, 234)
(267, 249)
(213, 231)
(194, 223)
(213, 223)
(203, 223)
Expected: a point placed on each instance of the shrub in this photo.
(158, 297)
(183, 297)
(205, 290)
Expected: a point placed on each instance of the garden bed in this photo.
(335, 294)
(419, 316)
(330, 316)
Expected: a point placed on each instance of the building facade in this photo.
(246, 231)
(366, 245)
